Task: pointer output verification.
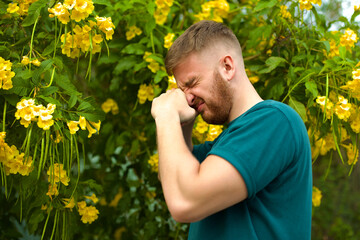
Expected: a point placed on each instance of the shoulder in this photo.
(267, 112)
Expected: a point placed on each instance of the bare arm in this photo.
(192, 191)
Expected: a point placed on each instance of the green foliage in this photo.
(289, 59)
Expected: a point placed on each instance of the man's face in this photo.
(205, 89)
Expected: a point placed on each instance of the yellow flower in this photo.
(91, 130)
(6, 74)
(316, 197)
(322, 101)
(36, 62)
(61, 12)
(118, 233)
(201, 125)
(82, 122)
(349, 38)
(45, 119)
(342, 108)
(171, 82)
(214, 132)
(58, 137)
(355, 122)
(150, 195)
(284, 12)
(25, 60)
(110, 105)
(117, 198)
(147, 58)
(57, 174)
(88, 213)
(215, 10)
(154, 67)
(305, 4)
(106, 26)
(73, 126)
(132, 32)
(142, 93)
(334, 50)
(52, 191)
(168, 40)
(145, 93)
(93, 198)
(154, 162)
(12, 8)
(162, 11)
(25, 165)
(352, 154)
(68, 203)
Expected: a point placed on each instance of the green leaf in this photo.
(21, 87)
(93, 116)
(45, 65)
(85, 106)
(72, 101)
(134, 48)
(93, 185)
(151, 7)
(125, 63)
(298, 107)
(58, 61)
(312, 87)
(272, 63)
(103, 2)
(49, 48)
(132, 179)
(327, 45)
(4, 49)
(13, 99)
(159, 76)
(329, 64)
(150, 26)
(265, 4)
(34, 12)
(65, 83)
(110, 145)
(50, 100)
(342, 52)
(48, 91)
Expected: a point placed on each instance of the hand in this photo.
(173, 103)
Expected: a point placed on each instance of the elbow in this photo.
(184, 212)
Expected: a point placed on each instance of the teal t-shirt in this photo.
(269, 146)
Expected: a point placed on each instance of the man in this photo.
(255, 180)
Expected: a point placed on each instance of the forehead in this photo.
(192, 66)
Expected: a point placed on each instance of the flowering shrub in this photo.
(78, 156)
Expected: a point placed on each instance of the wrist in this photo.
(167, 118)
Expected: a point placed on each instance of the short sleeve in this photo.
(200, 151)
(260, 145)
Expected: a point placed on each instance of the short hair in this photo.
(197, 38)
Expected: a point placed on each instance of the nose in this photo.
(190, 98)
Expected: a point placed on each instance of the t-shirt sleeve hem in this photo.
(236, 162)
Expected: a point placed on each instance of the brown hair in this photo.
(198, 37)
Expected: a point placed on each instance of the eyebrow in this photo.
(191, 81)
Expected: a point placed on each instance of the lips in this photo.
(199, 106)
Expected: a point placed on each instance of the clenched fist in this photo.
(173, 104)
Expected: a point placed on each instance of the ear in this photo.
(228, 67)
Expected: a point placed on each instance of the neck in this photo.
(244, 98)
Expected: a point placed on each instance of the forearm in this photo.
(177, 166)
(187, 134)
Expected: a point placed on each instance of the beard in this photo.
(219, 106)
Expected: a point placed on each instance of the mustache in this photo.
(196, 103)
